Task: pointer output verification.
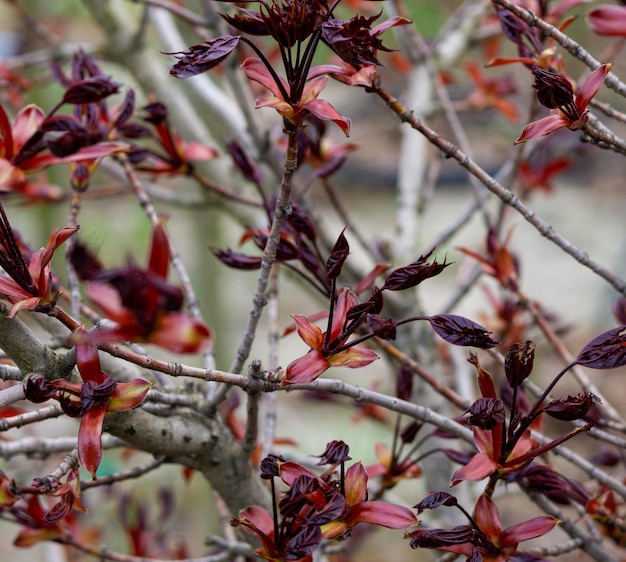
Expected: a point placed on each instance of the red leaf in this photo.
(384, 514)
(90, 439)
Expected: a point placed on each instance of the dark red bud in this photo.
(335, 453)
(518, 363)
(155, 113)
(486, 413)
(553, 90)
(338, 256)
(270, 466)
(404, 383)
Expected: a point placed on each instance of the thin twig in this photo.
(506, 195)
(282, 210)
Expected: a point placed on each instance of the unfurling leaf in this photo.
(435, 500)
(201, 58)
(337, 257)
(413, 274)
(459, 330)
(572, 407)
(238, 260)
(384, 328)
(92, 90)
(606, 351)
(486, 413)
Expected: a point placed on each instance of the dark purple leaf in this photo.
(556, 487)
(91, 90)
(457, 456)
(408, 434)
(300, 222)
(606, 351)
(413, 274)
(244, 163)
(200, 58)
(607, 457)
(384, 328)
(404, 383)
(352, 40)
(155, 113)
(304, 542)
(126, 109)
(486, 413)
(459, 330)
(333, 508)
(435, 500)
(251, 23)
(372, 306)
(553, 90)
(338, 256)
(134, 131)
(571, 408)
(238, 260)
(38, 389)
(437, 538)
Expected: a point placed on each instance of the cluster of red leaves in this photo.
(316, 507)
